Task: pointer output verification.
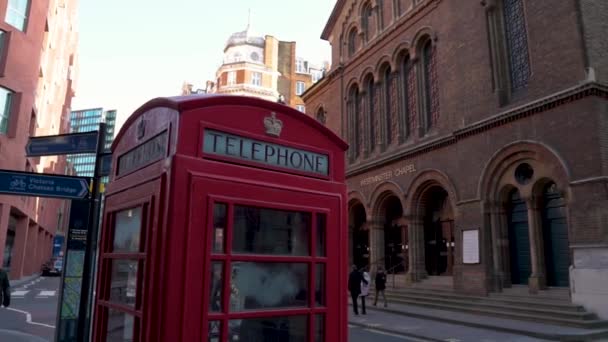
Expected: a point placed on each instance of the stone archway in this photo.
(524, 189)
(359, 236)
(395, 239)
(431, 214)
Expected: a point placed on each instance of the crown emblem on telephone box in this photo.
(273, 125)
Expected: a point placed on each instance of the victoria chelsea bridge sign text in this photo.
(264, 153)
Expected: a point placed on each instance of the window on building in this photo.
(316, 75)
(517, 43)
(231, 77)
(300, 88)
(6, 97)
(321, 116)
(2, 39)
(352, 41)
(16, 13)
(301, 66)
(352, 130)
(256, 78)
(406, 115)
(388, 99)
(371, 116)
(431, 100)
(366, 21)
(301, 108)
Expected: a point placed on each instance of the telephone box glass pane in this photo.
(127, 230)
(321, 228)
(215, 330)
(219, 227)
(120, 326)
(320, 285)
(123, 286)
(270, 231)
(285, 328)
(319, 328)
(268, 285)
(215, 294)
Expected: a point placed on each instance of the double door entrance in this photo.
(439, 248)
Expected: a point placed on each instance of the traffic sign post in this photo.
(54, 145)
(43, 185)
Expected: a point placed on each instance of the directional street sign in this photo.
(53, 145)
(43, 185)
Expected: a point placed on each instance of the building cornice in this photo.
(575, 93)
(333, 18)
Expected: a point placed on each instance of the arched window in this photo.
(370, 90)
(517, 43)
(407, 98)
(353, 122)
(388, 98)
(321, 115)
(352, 41)
(430, 90)
(366, 21)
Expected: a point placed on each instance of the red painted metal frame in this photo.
(312, 260)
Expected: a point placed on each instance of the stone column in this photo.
(417, 268)
(537, 280)
(18, 256)
(31, 251)
(497, 269)
(376, 241)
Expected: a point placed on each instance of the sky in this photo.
(131, 51)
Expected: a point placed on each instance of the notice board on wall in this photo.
(470, 246)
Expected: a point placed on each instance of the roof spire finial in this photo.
(248, 19)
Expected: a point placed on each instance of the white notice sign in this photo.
(470, 246)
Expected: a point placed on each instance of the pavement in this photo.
(416, 322)
(31, 315)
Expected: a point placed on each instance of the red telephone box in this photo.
(225, 220)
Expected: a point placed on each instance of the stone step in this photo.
(468, 303)
(498, 312)
(541, 303)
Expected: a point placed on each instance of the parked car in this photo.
(53, 268)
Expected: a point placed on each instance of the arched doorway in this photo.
(360, 236)
(438, 232)
(555, 236)
(395, 236)
(519, 239)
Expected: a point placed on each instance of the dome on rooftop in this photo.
(246, 37)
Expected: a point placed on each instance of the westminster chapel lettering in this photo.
(260, 152)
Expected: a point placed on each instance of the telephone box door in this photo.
(267, 263)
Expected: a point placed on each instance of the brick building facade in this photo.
(37, 68)
(478, 140)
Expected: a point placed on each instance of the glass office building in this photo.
(87, 120)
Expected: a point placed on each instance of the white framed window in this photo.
(6, 97)
(300, 88)
(231, 77)
(301, 66)
(301, 108)
(16, 13)
(256, 78)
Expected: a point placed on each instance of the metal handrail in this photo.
(394, 274)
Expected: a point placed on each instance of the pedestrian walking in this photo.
(380, 285)
(354, 286)
(5, 289)
(365, 282)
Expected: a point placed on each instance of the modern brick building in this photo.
(478, 141)
(264, 67)
(37, 69)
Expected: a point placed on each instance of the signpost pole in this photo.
(87, 279)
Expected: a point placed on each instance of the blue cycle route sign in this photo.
(53, 145)
(43, 185)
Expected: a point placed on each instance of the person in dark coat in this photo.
(380, 285)
(5, 289)
(354, 286)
